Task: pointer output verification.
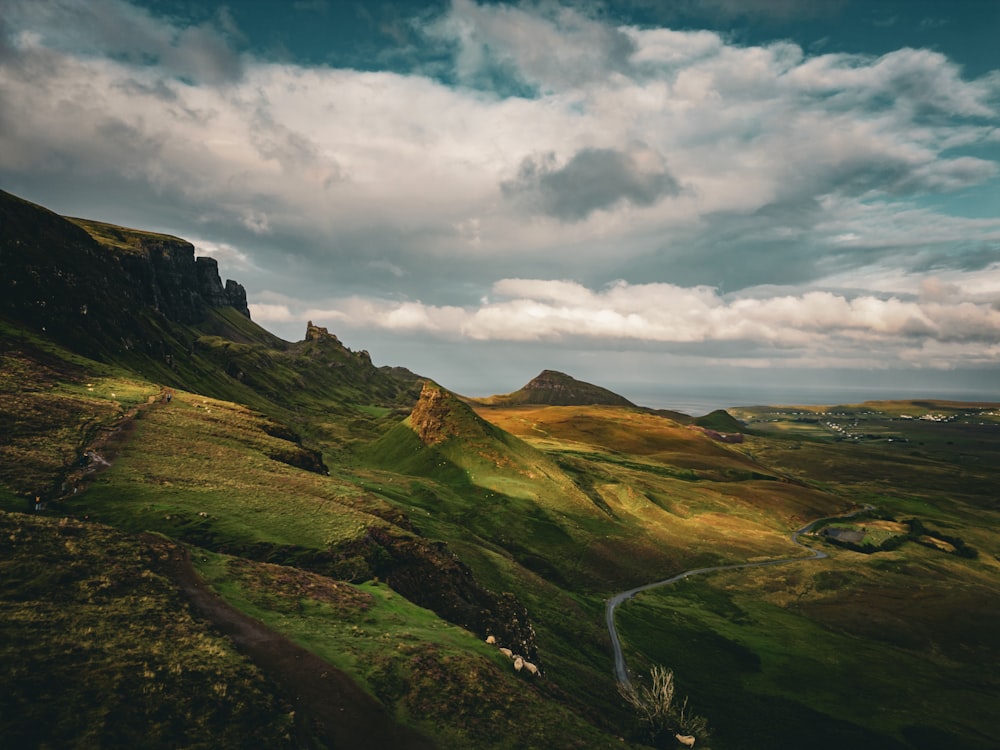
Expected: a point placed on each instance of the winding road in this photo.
(621, 671)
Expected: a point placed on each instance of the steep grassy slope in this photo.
(212, 472)
(453, 442)
(457, 689)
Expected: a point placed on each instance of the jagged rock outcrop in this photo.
(212, 291)
(321, 358)
(439, 415)
(209, 282)
(319, 343)
(236, 297)
(430, 416)
(169, 276)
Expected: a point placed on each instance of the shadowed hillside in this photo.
(144, 302)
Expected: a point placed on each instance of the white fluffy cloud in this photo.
(678, 159)
(316, 151)
(813, 328)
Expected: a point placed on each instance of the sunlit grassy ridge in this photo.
(121, 238)
(608, 432)
(669, 482)
(208, 471)
(437, 676)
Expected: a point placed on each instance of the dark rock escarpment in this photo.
(428, 574)
(95, 286)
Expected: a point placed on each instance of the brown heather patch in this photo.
(267, 584)
(98, 649)
(939, 543)
(891, 526)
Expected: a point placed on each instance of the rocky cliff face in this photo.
(167, 274)
(439, 415)
(87, 282)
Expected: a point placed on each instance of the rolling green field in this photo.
(390, 542)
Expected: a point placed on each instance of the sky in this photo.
(649, 195)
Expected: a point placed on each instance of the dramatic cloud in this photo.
(592, 179)
(755, 198)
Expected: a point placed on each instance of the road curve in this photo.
(621, 671)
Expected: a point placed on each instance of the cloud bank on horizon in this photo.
(592, 174)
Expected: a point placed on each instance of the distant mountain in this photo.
(558, 389)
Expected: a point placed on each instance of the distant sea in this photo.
(700, 400)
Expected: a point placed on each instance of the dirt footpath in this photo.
(328, 705)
